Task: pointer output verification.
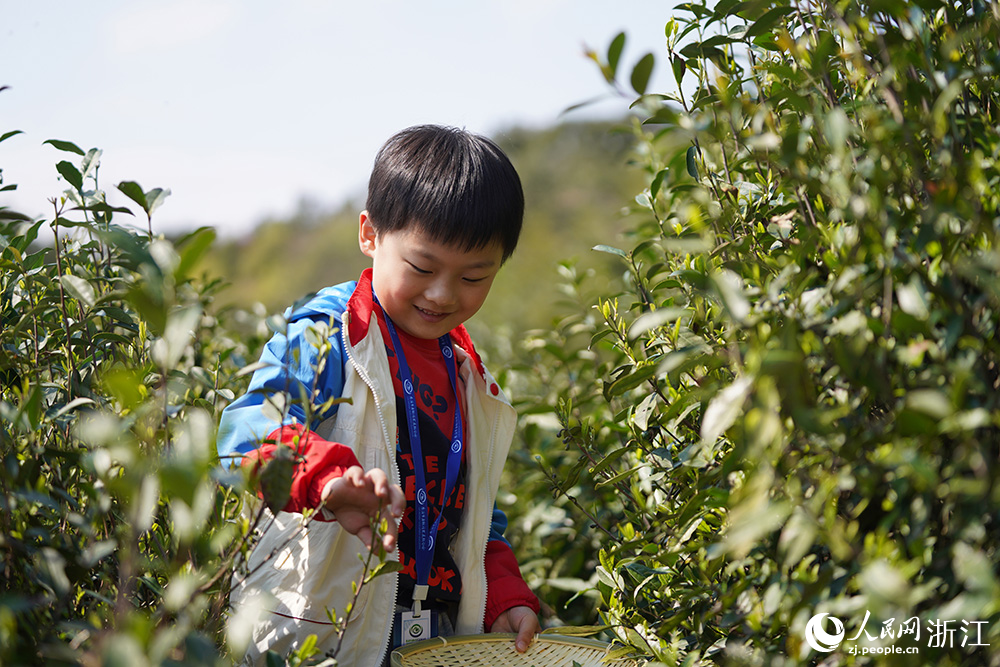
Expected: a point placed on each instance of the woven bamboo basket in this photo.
(497, 650)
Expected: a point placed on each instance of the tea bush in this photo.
(116, 537)
(790, 405)
(120, 528)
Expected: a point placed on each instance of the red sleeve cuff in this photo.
(320, 461)
(506, 587)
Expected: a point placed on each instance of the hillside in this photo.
(574, 185)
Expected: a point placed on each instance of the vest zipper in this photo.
(486, 542)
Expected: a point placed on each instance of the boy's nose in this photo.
(440, 294)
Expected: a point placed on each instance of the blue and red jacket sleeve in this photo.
(291, 366)
(319, 463)
(505, 587)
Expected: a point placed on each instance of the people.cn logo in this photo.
(821, 640)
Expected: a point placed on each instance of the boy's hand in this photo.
(521, 620)
(358, 496)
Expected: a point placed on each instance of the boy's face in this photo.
(427, 288)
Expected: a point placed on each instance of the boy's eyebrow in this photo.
(429, 256)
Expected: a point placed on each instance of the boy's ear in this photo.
(366, 234)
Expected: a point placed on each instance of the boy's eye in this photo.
(474, 280)
(418, 269)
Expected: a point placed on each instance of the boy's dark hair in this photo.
(457, 187)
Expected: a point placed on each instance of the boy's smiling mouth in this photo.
(430, 313)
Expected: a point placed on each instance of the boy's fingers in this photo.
(380, 483)
(365, 535)
(392, 493)
(524, 636)
(397, 500)
(354, 475)
(525, 624)
(391, 532)
(388, 544)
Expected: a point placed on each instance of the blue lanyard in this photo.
(425, 537)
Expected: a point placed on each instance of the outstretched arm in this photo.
(328, 475)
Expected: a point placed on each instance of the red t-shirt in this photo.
(436, 404)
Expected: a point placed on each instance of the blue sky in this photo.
(244, 107)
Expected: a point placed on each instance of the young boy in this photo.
(444, 212)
